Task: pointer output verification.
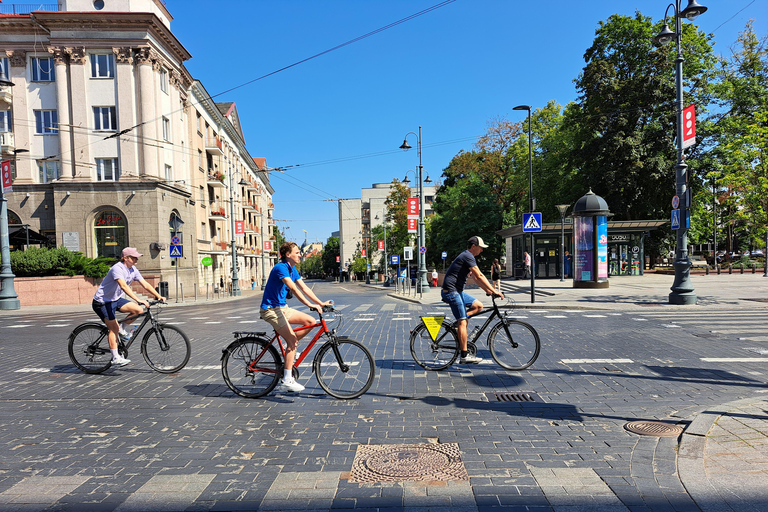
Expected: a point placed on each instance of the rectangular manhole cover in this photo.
(408, 462)
(521, 397)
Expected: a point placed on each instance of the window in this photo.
(5, 71)
(166, 129)
(200, 159)
(107, 169)
(168, 173)
(164, 80)
(42, 69)
(46, 122)
(5, 121)
(109, 233)
(105, 118)
(47, 171)
(102, 66)
(202, 231)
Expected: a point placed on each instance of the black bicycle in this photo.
(514, 344)
(165, 348)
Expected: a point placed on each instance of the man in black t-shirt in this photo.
(463, 305)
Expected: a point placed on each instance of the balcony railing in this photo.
(217, 211)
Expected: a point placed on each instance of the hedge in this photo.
(40, 261)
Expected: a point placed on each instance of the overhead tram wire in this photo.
(337, 47)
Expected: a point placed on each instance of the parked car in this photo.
(757, 252)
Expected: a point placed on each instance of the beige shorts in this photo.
(277, 317)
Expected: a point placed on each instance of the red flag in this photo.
(7, 181)
(689, 126)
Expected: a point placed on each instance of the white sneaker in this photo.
(290, 386)
(126, 335)
(120, 361)
(470, 359)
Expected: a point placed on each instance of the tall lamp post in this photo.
(683, 292)
(531, 201)
(422, 281)
(562, 208)
(235, 279)
(9, 300)
(386, 263)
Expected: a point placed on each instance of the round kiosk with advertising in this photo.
(590, 242)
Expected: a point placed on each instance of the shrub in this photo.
(39, 262)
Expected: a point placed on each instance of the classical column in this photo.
(125, 89)
(148, 130)
(81, 115)
(22, 117)
(66, 143)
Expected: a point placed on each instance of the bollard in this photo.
(754, 267)
(181, 285)
(207, 289)
(718, 269)
(730, 269)
(195, 293)
(742, 268)
(707, 270)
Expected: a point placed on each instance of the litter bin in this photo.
(162, 289)
(519, 271)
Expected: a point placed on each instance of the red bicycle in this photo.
(252, 364)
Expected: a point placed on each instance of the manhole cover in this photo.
(408, 462)
(653, 428)
(521, 397)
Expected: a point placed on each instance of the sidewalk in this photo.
(723, 452)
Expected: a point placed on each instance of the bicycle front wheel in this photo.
(251, 367)
(438, 354)
(344, 368)
(89, 348)
(519, 352)
(166, 349)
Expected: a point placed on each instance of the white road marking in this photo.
(556, 316)
(211, 322)
(593, 316)
(57, 325)
(401, 318)
(247, 321)
(670, 325)
(203, 367)
(587, 361)
(640, 319)
(735, 359)
(364, 319)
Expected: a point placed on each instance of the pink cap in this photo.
(131, 251)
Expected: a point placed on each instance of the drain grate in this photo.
(704, 335)
(522, 397)
(408, 462)
(653, 428)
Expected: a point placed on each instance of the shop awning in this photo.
(22, 235)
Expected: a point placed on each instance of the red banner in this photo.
(364, 253)
(239, 227)
(413, 225)
(267, 245)
(689, 126)
(338, 259)
(381, 245)
(413, 206)
(7, 181)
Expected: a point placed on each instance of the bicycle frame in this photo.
(495, 313)
(297, 362)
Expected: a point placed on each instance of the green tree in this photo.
(330, 252)
(397, 231)
(312, 266)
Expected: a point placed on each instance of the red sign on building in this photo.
(267, 245)
(689, 126)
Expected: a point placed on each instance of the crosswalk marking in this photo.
(735, 359)
(602, 361)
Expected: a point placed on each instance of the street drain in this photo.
(408, 462)
(653, 428)
(523, 396)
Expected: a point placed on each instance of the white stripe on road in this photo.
(735, 359)
(402, 318)
(203, 367)
(587, 361)
(593, 316)
(363, 320)
(640, 319)
(556, 316)
(57, 325)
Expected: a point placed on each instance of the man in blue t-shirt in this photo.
(463, 305)
(285, 277)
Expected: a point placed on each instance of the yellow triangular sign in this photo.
(433, 323)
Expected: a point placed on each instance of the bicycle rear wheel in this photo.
(251, 367)
(344, 368)
(166, 349)
(89, 348)
(438, 354)
(519, 352)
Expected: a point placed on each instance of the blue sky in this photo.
(336, 122)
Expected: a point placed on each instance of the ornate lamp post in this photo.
(562, 208)
(422, 281)
(683, 292)
(386, 263)
(531, 201)
(9, 300)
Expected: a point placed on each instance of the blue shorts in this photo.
(459, 303)
(106, 310)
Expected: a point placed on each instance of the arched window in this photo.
(13, 219)
(109, 233)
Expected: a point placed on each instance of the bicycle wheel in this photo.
(89, 348)
(251, 367)
(344, 368)
(438, 354)
(166, 349)
(518, 353)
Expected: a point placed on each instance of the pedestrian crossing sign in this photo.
(433, 323)
(531, 222)
(675, 219)
(176, 251)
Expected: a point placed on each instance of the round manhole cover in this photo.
(653, 428)
(396, 463)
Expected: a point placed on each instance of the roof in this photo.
(623, 226)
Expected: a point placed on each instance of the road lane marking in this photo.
(735, 359)
(601, 361)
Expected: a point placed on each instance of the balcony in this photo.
(215, 179)
(214, 146)
(216, 212)
(248, 206)
(7, 142)
(250, 228)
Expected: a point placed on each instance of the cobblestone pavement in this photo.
(131, 439)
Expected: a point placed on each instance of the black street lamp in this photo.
(531, 206)
(421, 283)
(562, 208)
(683, 292)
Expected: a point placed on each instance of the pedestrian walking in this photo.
(496, 274)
